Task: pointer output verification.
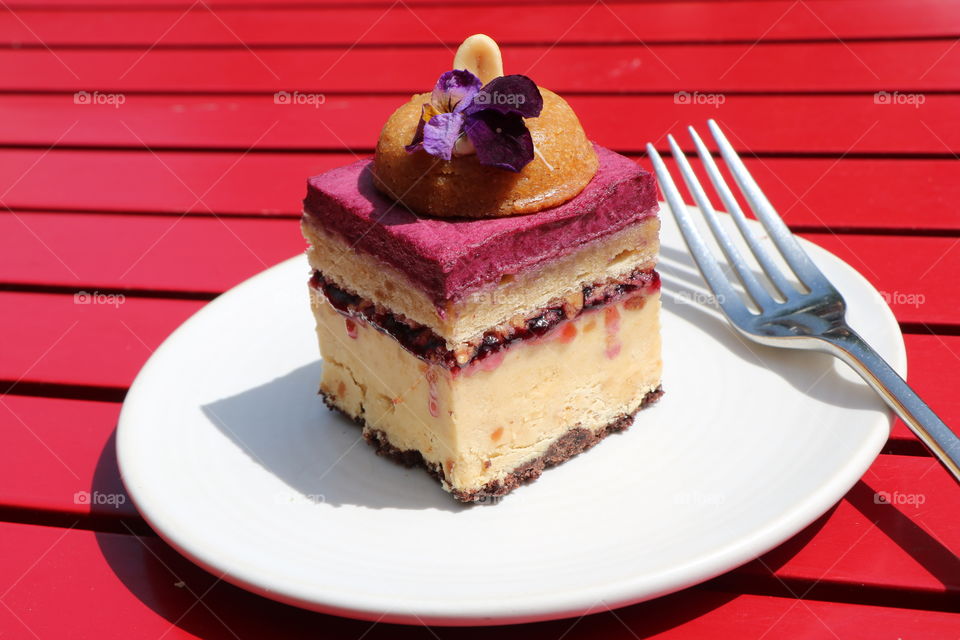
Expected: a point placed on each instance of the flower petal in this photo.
(455, 90)
(417, 143)
(502, 140)
(441, 133)
(509, 94)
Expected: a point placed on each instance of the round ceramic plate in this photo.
(232, 458)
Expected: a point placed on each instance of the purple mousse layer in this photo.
(449, 258)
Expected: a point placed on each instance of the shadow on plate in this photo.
(284, 426)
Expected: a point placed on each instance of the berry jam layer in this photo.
(512, 295)
(427, 345)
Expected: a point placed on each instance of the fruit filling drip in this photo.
(425, 344)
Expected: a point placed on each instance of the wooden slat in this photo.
(846, 193)
(260, 183)
(913, 539)
(858, 66)
(66, 342)
(928, 356)
(761, 124)
(405, 24)
(856, 193)
(836, 552)
(915, 274)
(102, 5)
(158, 253)
(81, 584)
(58, 456)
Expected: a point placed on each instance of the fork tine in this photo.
(789, 248)
(749, 281)
(761, 253)
(709, 267)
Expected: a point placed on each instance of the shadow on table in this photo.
(928, 552)
(942, 563)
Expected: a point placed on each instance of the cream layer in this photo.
(482, 422)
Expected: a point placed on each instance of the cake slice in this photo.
(487, 349)
(482, 345)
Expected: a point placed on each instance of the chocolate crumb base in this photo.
(573, 442)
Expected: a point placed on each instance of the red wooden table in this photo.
(177, 174)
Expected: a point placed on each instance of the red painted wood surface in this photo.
(78, 340)
(404, 24)
(836, 193)
(162, 253)
(174, 253)
(856, 66)
(901, 511)
(152, 592)
(126, 204)
(768, 124)
(57, 455)
(69, 468)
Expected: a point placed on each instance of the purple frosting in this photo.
(448, 258)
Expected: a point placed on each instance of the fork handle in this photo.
(927, 426)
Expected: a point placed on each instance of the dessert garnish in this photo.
(483, 144)
(464, 117)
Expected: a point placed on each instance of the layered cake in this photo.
(484, 287)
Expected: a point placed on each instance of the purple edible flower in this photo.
(441, 119)
(490, 117)
(514, 94)
(454, 91)
(501, 140)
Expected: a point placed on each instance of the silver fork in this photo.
(812, 320)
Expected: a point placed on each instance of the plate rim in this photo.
(694, 571)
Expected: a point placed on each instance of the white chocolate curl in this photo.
(480, 55)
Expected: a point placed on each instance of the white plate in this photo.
(232, 458)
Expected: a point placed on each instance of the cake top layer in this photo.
(448, 258)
